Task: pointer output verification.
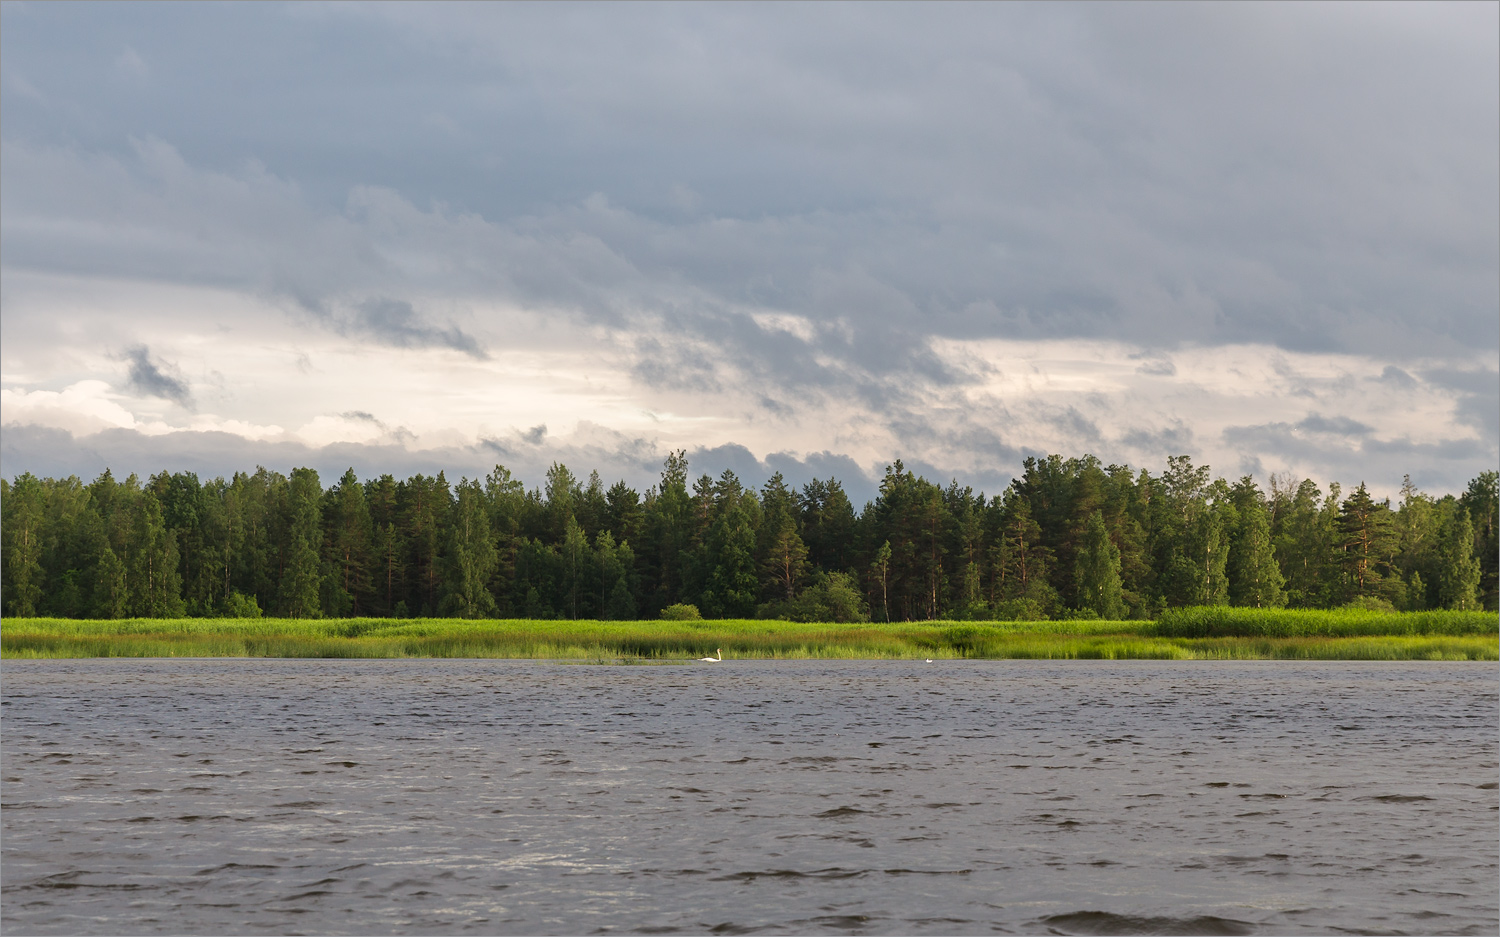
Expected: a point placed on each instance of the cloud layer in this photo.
(960, 235)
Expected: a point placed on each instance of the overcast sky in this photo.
(813, 238)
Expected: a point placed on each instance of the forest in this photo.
(1070, 538)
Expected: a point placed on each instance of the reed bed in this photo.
(1241, 634)
(1226, 622)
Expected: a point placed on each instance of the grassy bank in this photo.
(1225, 622)
(1343, 636)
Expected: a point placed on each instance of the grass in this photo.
(1223, 622)
(1240, 634)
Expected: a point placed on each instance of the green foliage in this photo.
(1097, 571)
(832, 597)
(681, 612)
(472, 557)
(1255, 580)
(239, 605)
(1458, 585)
(1070, 533)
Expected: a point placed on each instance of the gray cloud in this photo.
(1443, 466)
(1163, 442)
(149, 376)
(1398, 377)
(879, 177)
(1064, 172)
(1336, 426)
(46, 451)
(395, 322)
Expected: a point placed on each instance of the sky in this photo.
(801, 238)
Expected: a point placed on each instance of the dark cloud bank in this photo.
(1317, 178)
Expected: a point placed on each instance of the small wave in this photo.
(231, 865)
(1103, 922)
(791, 873)
(928, 871)
(846, 812)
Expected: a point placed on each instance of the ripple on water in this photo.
(796, 797)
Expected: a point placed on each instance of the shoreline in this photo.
(1413, 636)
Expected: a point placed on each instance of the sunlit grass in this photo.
(1437, 636)
(1223, 621)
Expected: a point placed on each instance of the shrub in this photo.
(239, 605)
(680, 612)
(832, 597)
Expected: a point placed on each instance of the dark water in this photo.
(254, 796)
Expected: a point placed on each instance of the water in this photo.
(264, 796)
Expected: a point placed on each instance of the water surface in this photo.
(421, 796)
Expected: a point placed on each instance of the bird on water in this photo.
(714, 660)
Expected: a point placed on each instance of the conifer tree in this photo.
(387, 551)
(1021, 562)
(302, 576)
(786, 558)
(347, 525)
(1366, 539)
(668, 526)
(471, 555)
(732, 584)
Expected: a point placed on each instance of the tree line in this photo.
(1068, 538)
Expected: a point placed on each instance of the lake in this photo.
(852, 797)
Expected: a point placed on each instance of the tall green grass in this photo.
(1223, 622)
(1191, 634)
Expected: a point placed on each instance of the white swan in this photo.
(714, 660)
(929, 660)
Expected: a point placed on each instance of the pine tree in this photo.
(1096, 571)
(301, 577)
(425, 505)
(668, 527)
(471, 556)
(347, 523)
(786, 558)
(1366, 539)
(1021, 562)
(732, 584)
